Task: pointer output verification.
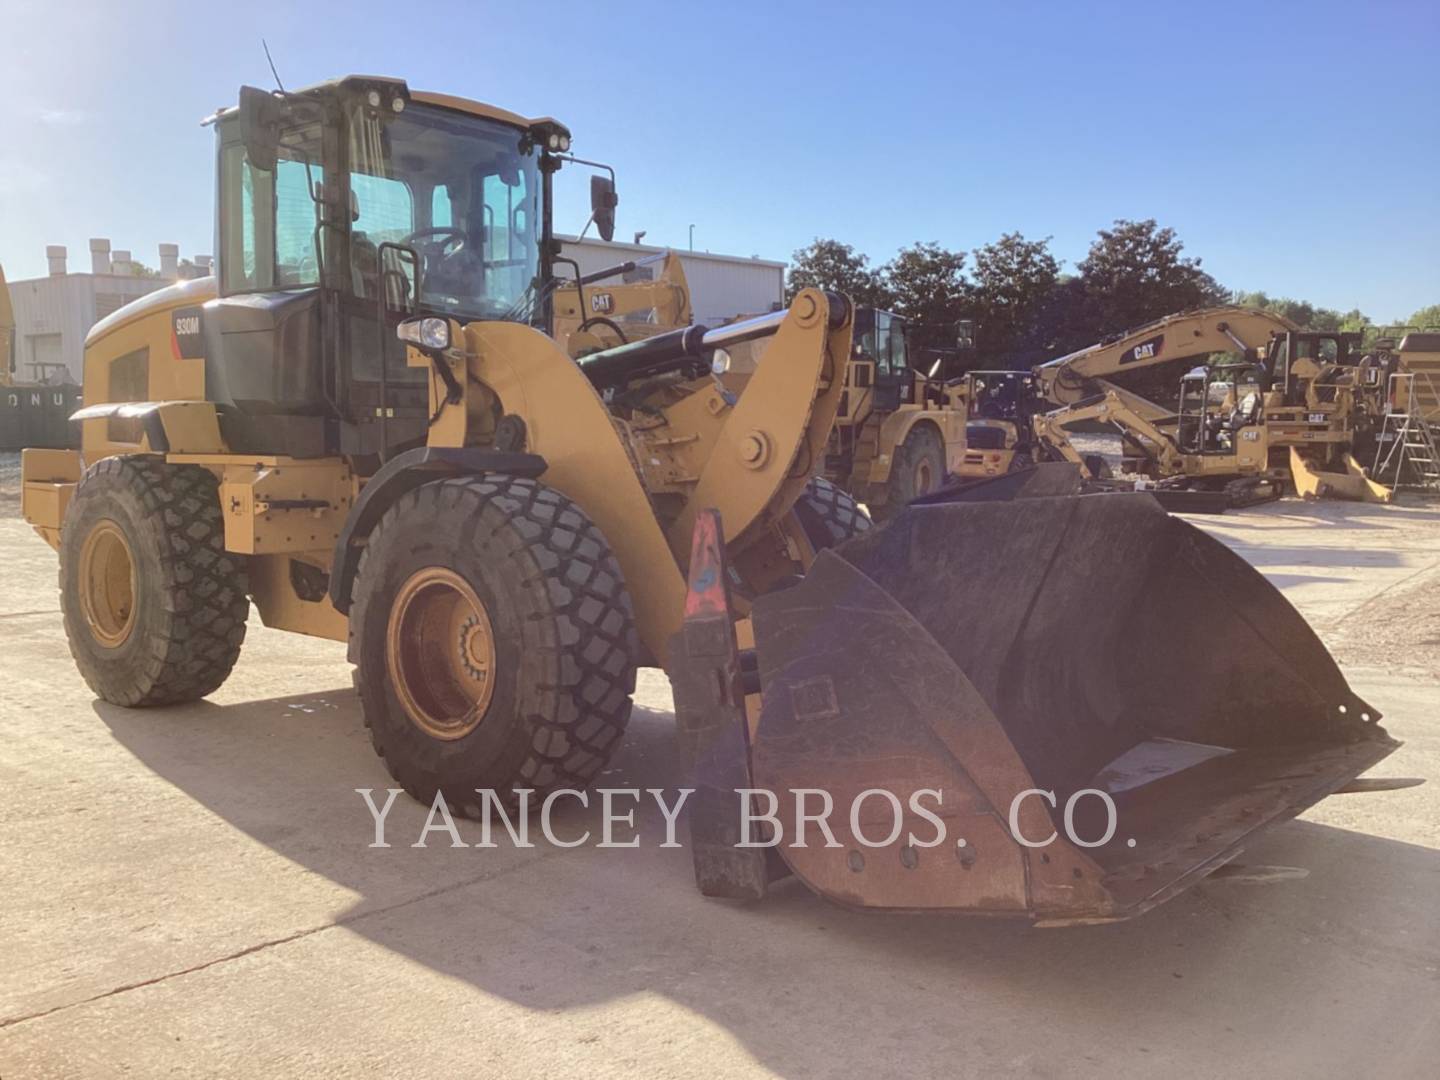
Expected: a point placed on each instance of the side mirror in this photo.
(603, 201)
(260, 127)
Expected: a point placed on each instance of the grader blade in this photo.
(1015, 659)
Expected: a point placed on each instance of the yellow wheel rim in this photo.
(923, 477)
(440, 652)
(107, 584)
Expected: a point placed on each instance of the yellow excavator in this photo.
(365, 427)
(1287, 411)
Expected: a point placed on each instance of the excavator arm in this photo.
(1084, 374)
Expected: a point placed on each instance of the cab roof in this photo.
(428, 97)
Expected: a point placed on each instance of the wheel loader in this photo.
(595, 312)
(899, 433)
(365, 427)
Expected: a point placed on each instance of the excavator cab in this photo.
(1216, 405)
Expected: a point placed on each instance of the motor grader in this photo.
(364, 426)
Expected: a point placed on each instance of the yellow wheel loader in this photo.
(899, 434)
(597, 312)
(364, 427)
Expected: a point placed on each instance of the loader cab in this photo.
(344, 209)
(881, 362)
(1294, 359)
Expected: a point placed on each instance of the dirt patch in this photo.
(1398, 630)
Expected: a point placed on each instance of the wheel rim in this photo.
(440, 651)
(924, 477)
(107, 584)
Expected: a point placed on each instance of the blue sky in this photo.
(1294, 147)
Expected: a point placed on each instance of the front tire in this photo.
(494, 641)
(154, 605)
(828, 514)
(918, 468)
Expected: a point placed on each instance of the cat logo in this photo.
(600, 303)
(1145, 350)
(1250, 435)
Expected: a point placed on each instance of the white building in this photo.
(721, 286)
(53, 314)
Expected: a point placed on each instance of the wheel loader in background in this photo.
(365, 427)
(595, 312)
(899, 433)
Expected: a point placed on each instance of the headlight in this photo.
(398, 104)
(720, 362)
(426, 333)
(373, 98)
(564, 142)
(554, 141)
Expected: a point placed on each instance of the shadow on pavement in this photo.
(814, 990)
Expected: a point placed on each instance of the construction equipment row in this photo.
(394, 419)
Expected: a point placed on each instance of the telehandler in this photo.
(365, 427)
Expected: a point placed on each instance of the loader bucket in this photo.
(1081, 644)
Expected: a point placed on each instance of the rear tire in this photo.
(538, 691)
(154, 605)
(918, 468)
(829, 514)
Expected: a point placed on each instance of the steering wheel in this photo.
(601, 320)
(451, 237)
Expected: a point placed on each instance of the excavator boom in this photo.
(1183, 336)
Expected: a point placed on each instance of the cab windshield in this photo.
(457, 189)
(460, 192)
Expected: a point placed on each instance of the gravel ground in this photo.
(10, 484)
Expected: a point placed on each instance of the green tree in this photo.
(1426, 317)
(1136, 272)
(1300, 312)
(1013, 280)
(926, 284)
(829, 264)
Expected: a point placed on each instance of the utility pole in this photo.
(692, 237)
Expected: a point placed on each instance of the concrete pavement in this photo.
(189, 891)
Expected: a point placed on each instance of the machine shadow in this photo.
(796, 980)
